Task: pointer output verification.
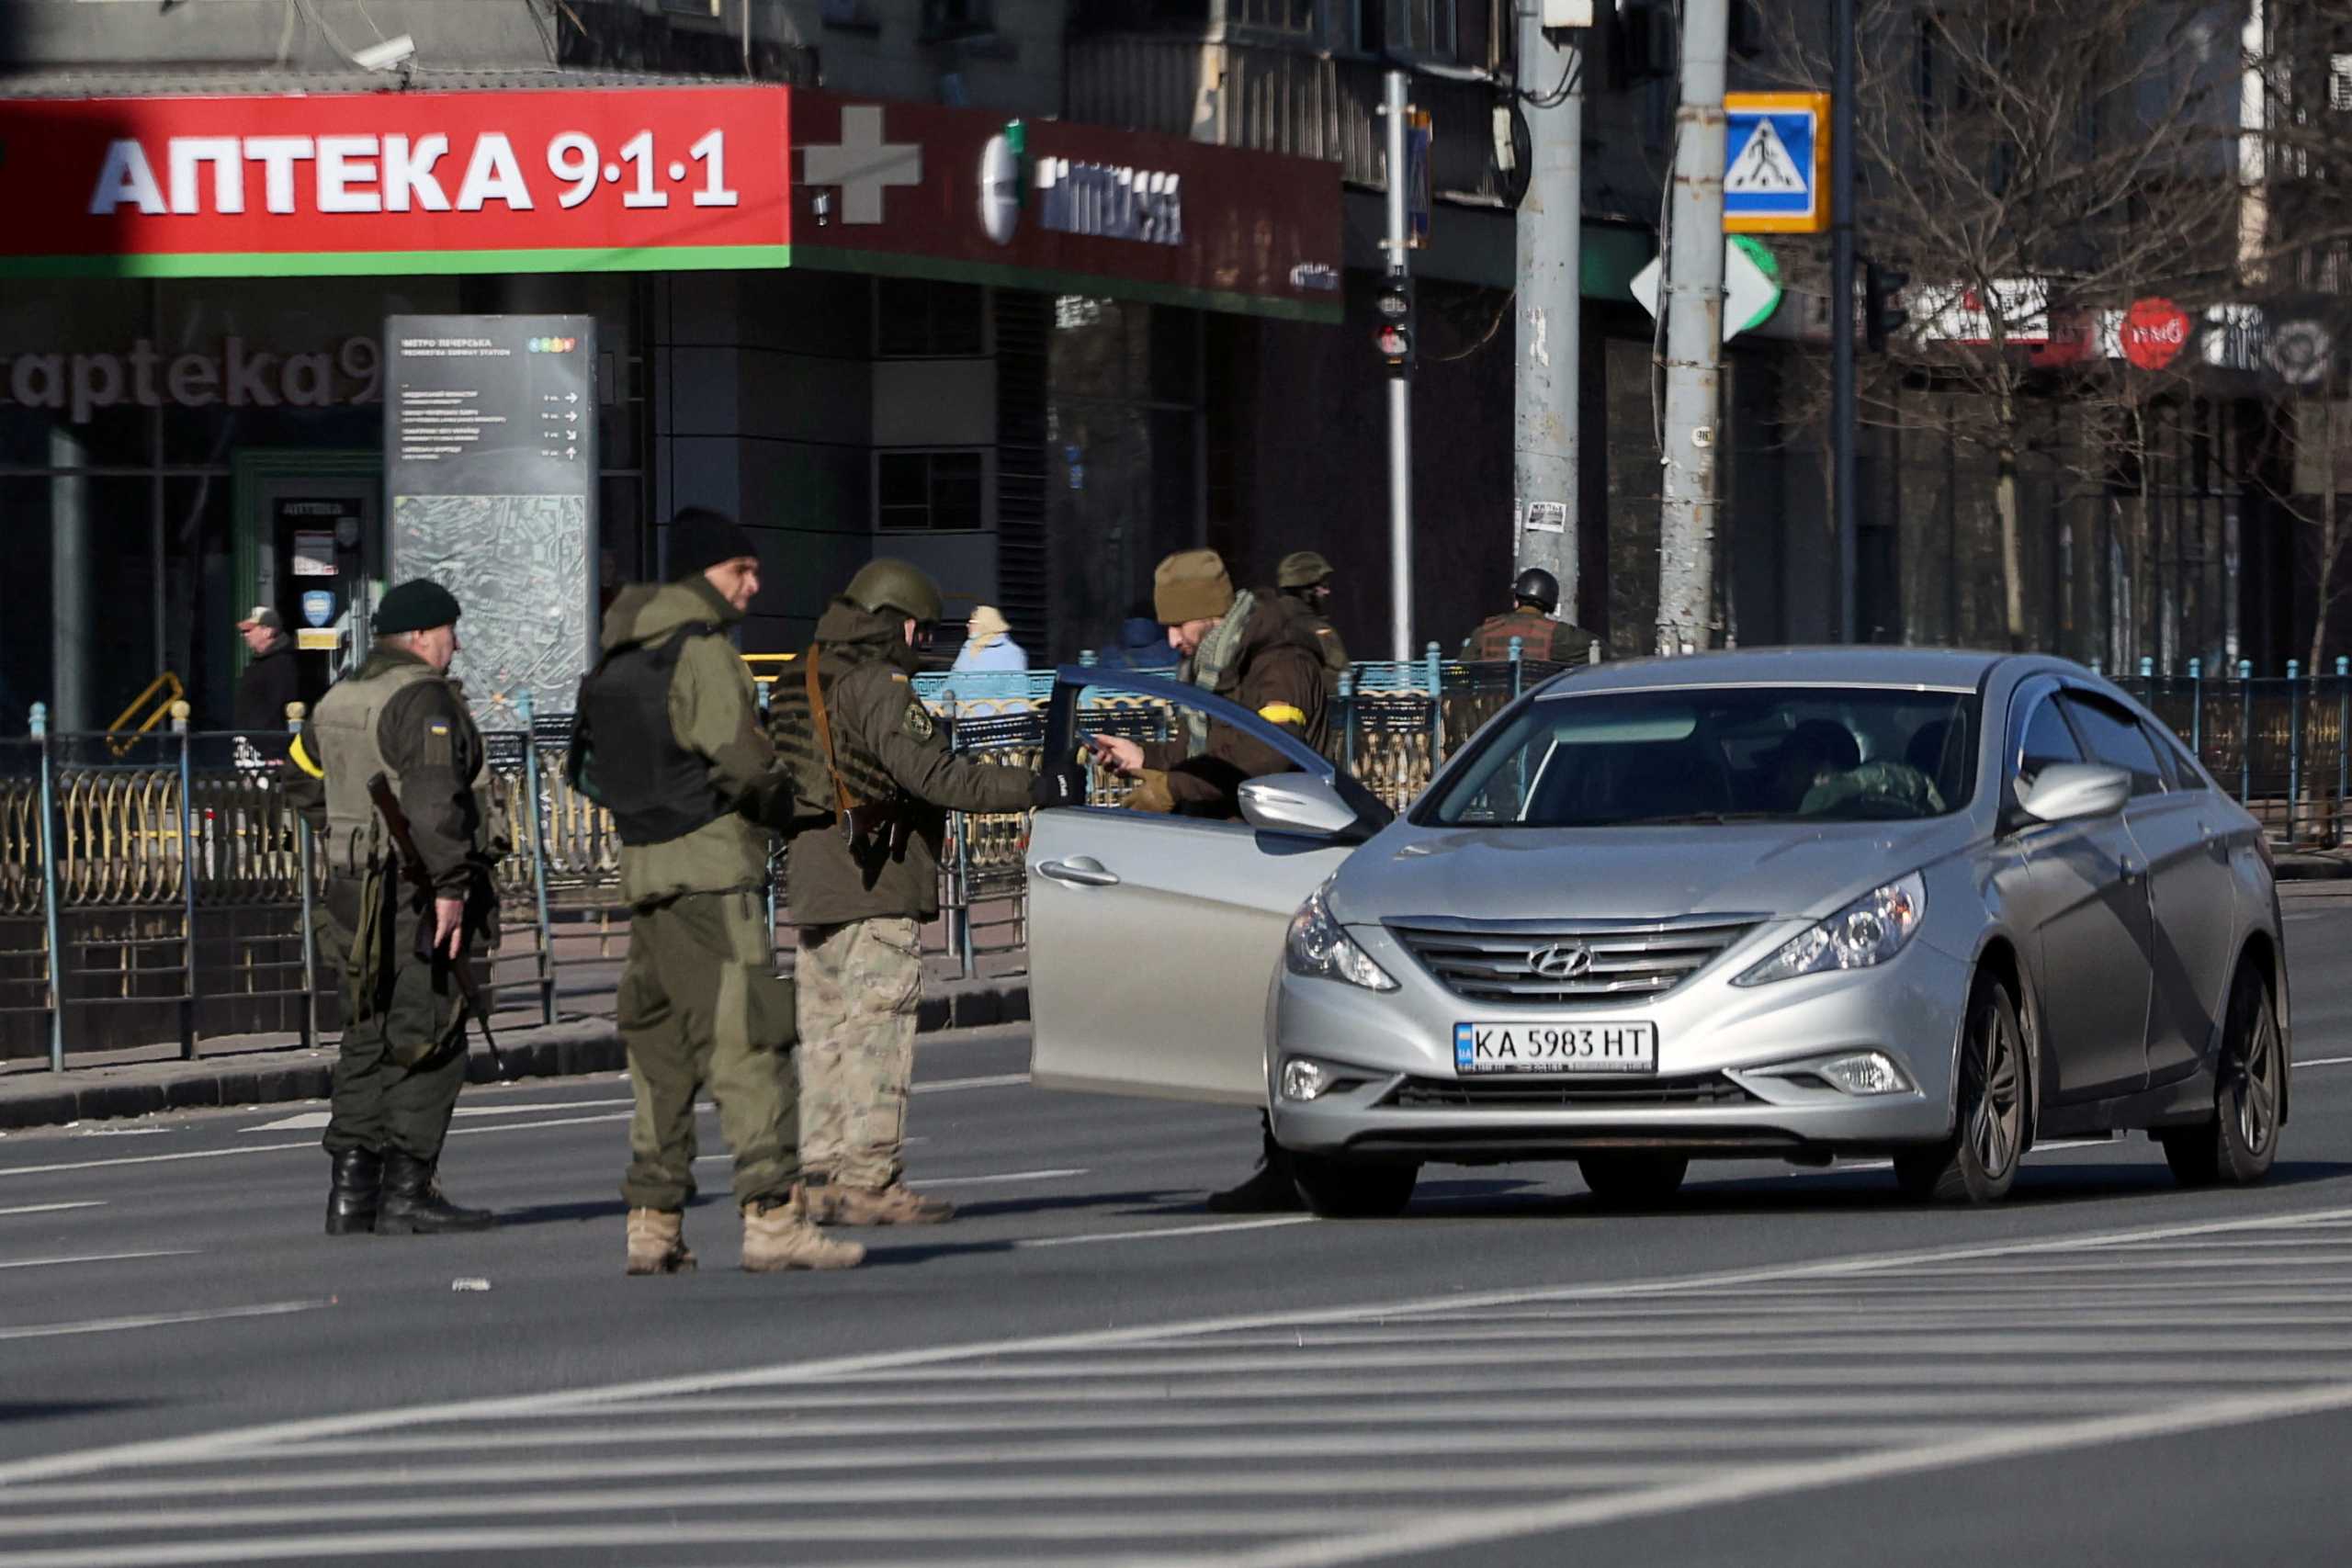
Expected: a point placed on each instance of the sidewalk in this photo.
(268, 1070)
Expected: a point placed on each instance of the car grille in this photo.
(1496, 962)
(1525, 1094)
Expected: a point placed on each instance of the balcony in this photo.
(1273, 98)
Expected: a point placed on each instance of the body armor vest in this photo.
(1536, 630)
(655, 788)
(792, 725)
(347, 724)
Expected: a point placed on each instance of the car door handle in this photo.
(1082, 871)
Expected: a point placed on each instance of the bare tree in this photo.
(2034, 166)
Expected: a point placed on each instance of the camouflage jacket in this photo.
(1539, 638)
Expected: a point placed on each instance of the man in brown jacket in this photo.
(1248, 648)
(1243, 647)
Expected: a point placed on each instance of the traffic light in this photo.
(1883, 316)
(1393, 337)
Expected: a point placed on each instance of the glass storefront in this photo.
(172, 452)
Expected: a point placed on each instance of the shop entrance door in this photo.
(310, 545)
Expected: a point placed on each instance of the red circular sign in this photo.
(2154, 332)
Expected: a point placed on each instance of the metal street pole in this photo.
(1400, 395)
(1695, 334)
(1842, 418)
(1548, 312)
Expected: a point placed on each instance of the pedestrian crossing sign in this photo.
(1775, 149)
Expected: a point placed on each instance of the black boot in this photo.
(1269, 1191)
(412, 1204)
(359, 1184)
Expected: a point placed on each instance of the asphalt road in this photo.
(1784, 1366)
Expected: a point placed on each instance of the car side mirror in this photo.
(1296, 803)
(2070, 792)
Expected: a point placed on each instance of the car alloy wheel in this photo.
(1978, 1162)
(2238, 1143)
(1340, 1189)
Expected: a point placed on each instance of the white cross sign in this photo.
(1775, 147)
(863, 164)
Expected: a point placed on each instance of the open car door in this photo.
(1153, 939)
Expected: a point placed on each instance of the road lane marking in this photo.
(804, 1493)
(506, 1540)
(2322, 1061)
(53, 1208)
(159, 1320)
(1429, 1535)
(943, 1085)
(998, 1080)
(1166, 1231)
(94, 1257)
(244, 1440)
(310, 1120)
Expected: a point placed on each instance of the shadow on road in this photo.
(13, 1411)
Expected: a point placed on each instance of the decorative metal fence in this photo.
(165, 869)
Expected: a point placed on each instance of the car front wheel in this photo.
(1339, 1189)
(2238, 1144)
(1979, 1161)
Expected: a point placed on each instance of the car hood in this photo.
(1511, 873)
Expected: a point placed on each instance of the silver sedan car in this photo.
(1796, 905)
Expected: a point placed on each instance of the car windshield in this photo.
(1719, 754)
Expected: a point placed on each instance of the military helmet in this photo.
(891, 584)
(1535, 586)
(1300, 569)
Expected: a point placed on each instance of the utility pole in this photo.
(1548, 313)
(1695, 334)
(1400, 388)
(1842, 418)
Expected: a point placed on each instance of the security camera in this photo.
(384, 56)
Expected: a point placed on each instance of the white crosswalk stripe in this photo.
(1285, 1441)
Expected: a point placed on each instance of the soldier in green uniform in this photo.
(1239, 646)
(1303, 580)
(1536, 596)
(402, 1058)
(849, 725)
(668, 739)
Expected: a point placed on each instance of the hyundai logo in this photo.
(1561, 961)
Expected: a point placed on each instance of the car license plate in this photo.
(1555, 1047)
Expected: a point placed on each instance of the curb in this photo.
(2311, 868)
(554, 1051)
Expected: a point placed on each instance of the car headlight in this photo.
(1318, 947)
(1869, 931)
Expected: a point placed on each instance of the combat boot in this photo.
(656, 1242)
(358, 1187)
(897, 1204)
(779, 1235)
(412, 1204)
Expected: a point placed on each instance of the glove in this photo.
(1064, 785)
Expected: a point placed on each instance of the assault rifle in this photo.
(388, 807)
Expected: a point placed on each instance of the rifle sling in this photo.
(824, 726)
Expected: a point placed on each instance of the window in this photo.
(916, 493)
(2181, 771)
(1755, 754)
(2114, 740)
(2045, 741)
(1411, 26)
(944, 21)
(915, 318)
(1293, 19)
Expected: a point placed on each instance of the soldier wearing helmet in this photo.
(859, 742)
(1535, 597)
(1303, 580)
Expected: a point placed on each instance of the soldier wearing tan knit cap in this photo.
(1245, 647)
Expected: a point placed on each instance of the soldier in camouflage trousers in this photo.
(848, 723)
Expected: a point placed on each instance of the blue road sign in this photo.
(1774, 149)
